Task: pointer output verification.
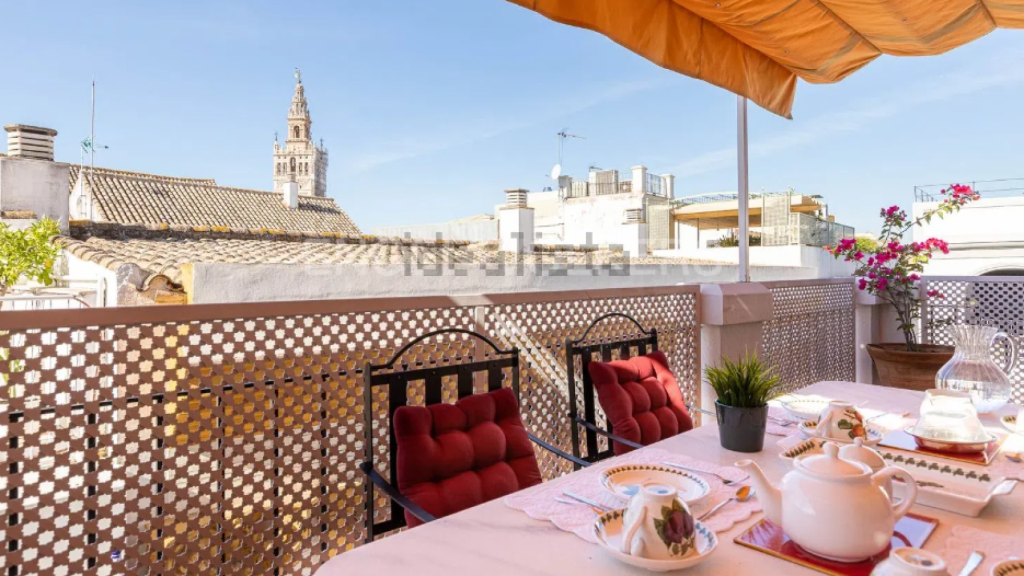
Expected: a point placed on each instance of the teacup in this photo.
(658, 524)
(911, 562)
(840, 420)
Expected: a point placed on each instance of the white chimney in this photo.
(291, 194)
(515, 223)
(30, 142)
(639, 179)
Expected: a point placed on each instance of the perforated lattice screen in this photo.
(811, 337)
(230, 446)
(997, 302)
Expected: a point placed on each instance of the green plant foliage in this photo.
(27, 253)
(866, 244)
(748, 383)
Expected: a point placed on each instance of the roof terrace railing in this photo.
(1003, 188)
(226, 439)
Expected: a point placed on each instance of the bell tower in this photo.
(300, 160)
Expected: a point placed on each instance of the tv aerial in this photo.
(562, 136)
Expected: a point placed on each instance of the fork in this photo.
(782, 421)
(724, 480)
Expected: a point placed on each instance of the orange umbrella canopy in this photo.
(758, 48)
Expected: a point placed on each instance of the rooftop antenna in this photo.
(562, 135)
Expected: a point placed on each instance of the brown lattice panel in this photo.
(225, 440)
(993, 301)
(811, 337)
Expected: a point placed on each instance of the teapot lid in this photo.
(858, 452)
(830, 464)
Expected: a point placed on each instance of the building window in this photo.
(278, 168)
(292, 165)
(297, 131)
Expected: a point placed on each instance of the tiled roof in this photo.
(136, 198)
(161, 251)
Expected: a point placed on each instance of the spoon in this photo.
(1014, 457)
(742, 495)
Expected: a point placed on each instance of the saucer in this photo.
(608, 531)
(953, 446)
(805, 408)
(1010, 423)
(625, 481)
(875, 434)
(1009, 568)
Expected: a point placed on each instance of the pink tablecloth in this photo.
(540, 503)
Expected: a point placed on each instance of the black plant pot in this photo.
(742, 429)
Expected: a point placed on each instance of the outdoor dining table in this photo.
(494, 539)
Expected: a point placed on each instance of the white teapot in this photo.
(657, 524)
(831, 507)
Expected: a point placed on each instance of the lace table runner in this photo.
(540, 504)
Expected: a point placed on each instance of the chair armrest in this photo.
(394, 494)
(607, 434)
(558, 452)
(693, 408)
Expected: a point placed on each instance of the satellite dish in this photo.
(556, 171)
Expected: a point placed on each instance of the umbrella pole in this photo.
(743, 192)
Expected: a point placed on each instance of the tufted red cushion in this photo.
(641, 399)
(455, 456)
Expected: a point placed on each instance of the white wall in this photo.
(40, 186)
(475, 231)
(221, 283)
(80, 269)
(986, 235)
(812, 257)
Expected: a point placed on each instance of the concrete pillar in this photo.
(515, 223)
(639, 179)
(874, 322)
(732, 318)
(668, 183)
(634, 233)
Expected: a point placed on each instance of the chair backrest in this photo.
(396, 378)
(585, 347)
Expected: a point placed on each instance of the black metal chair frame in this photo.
(645, 342)
(432, 377)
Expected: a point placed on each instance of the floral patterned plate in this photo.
(1010, 422)
(953, 446)
(608, 531)
(1009, 568)
(874, 433)
(625, 481)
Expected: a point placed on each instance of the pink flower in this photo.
(858, 255)
(881, 284)
(862, 284)
(935, 294)
(892, 210)
(914, 277)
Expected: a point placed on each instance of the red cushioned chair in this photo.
(449, 457)
(639, 395)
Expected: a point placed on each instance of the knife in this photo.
(972, 564)
(587, 501)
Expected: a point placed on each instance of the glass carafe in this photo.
(972, 370)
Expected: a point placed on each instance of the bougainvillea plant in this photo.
(892, 270)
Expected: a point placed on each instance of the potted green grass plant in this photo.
(744, 388)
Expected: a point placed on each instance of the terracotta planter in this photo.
(898, 368)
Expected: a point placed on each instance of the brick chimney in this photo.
(31, 142)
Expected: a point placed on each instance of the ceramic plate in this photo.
(1010, 422)
(805, 408)
(1009, 568)
(953, 446)
(625, 481)
(808, 446)
(962, 489)
(608, 530)
(875, 434)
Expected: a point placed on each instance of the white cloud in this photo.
(1004, 70)
(543, 110)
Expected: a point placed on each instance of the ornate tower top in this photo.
(299, 109)
(300, 159)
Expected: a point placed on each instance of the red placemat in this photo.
(912, 531)
(902, 441)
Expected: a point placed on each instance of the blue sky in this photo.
(431, 109)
